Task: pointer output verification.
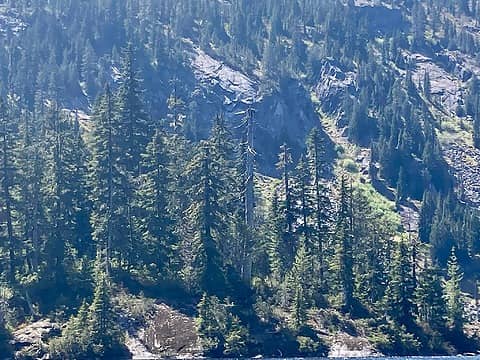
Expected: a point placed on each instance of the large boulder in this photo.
(347, 346)
(30, 341)
(165, 333)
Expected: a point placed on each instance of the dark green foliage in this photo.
(276, 227)
(343, 264)
(74, 341)
(400, 193)
(400, 292)
(156, 194)
(5, 342)
(133, 123)
(427, 213)
(427, 86)
(287, 241)
(153, 217)
(372, 248)
(303, 195)
(110, 211)
(394, 339)
(453, 295)
(429, 298)
(65, 193)
(206, 191)
(361, 128)
(221, 332)
(94, 331)
(7, 176)
(300, 287)
(104, 332)
(317, 161)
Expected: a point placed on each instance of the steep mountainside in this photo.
(278, 177)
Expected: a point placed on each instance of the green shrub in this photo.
(221, 332)
(350, 166)
(307, 345)
(391, 339)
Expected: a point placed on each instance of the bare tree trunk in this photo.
(8, 201)
(36, 218)
(249, 199)
(108, 248)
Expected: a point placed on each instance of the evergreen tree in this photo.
(133, 123)
(300, 286)
(94, 332)
(400, 291)
(303, 197)
(476, 124)
(207, 324)
(419, 17)
(206, 191)
(7, 176)
(221, 332)
(276, 226)
(6, 295)
(245, 187)
(29, 197)
(453, 294)
(104, 332)
(236, 341)
(429, 297)
(133, 134)
(154, 223)
(373, 229)
(54, 190)
(427, 213)
(343, 265)
(74, 342)
(65, 194)
(164, 210)
(223, 151)
(316, 157)
(427, 87)
(288, 243)
(107, 181)
(179, 151)
(78, 205)
(401, 187)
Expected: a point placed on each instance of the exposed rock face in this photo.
(167, 333)
(410, 216)
(211, 72)
(30, 342)
(449, 73)
(445, 86)
(137, 348)
(171, 333)
(333, 83)
(463, 161)
(286, 115)
(10, 21)
(346, 346)
(283, 114)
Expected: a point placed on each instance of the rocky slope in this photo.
(283, 113)
(31, 341)
(11, 23)
(449, 73)
(165, 333)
